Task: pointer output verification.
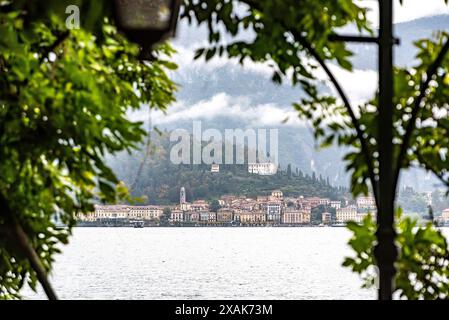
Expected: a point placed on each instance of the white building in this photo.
(347, 214)
(215, 168)
(144, 212)
(176, 216)
(366, 203)
(350, 214)
(274, 211)
(445, 215)
(123, 212)
(265, 168)
(335, 204)
(111, 212)
(292, 216)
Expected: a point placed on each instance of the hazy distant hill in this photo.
(200, 83)
(160, 180)
(408, 32)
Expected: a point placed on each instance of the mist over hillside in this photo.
(225, 95)
(159, 179)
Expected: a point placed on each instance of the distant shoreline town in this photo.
(238, 211)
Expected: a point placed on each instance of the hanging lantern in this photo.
(147, 22)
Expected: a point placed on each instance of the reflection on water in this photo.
(206, 263)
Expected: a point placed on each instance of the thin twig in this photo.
(351, 113)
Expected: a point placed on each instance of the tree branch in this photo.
(343, 96)
(439, 175)
(351, 113)
(16, 233)
(431, 71)
(61, 37)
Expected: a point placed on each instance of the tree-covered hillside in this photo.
(160, 180)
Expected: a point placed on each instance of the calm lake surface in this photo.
(206, 263)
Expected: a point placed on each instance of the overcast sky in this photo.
(359, 84)
(410, 10)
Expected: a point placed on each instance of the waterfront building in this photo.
(111, 212)
(193, 216)
(204, 216)
(306, 215)
(144, 212)
(347, 214)
(123, 212)
(296, 216)
(236, 215)
(256, 217)
(177, 215)
(245, 217)
(274, 211)
(265, 168)
(212, 216)
(207, 216)
(326, 217)
(260, 216)
(186, 216)
(224, 215)
(368, 203)
(215, 168)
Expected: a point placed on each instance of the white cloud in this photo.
(224, 105)
(360, 85)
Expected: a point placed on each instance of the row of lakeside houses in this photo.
(274, 209)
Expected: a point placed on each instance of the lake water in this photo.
(206, 263)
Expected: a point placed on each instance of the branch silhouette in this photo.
(431, 71)
(345, 100)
